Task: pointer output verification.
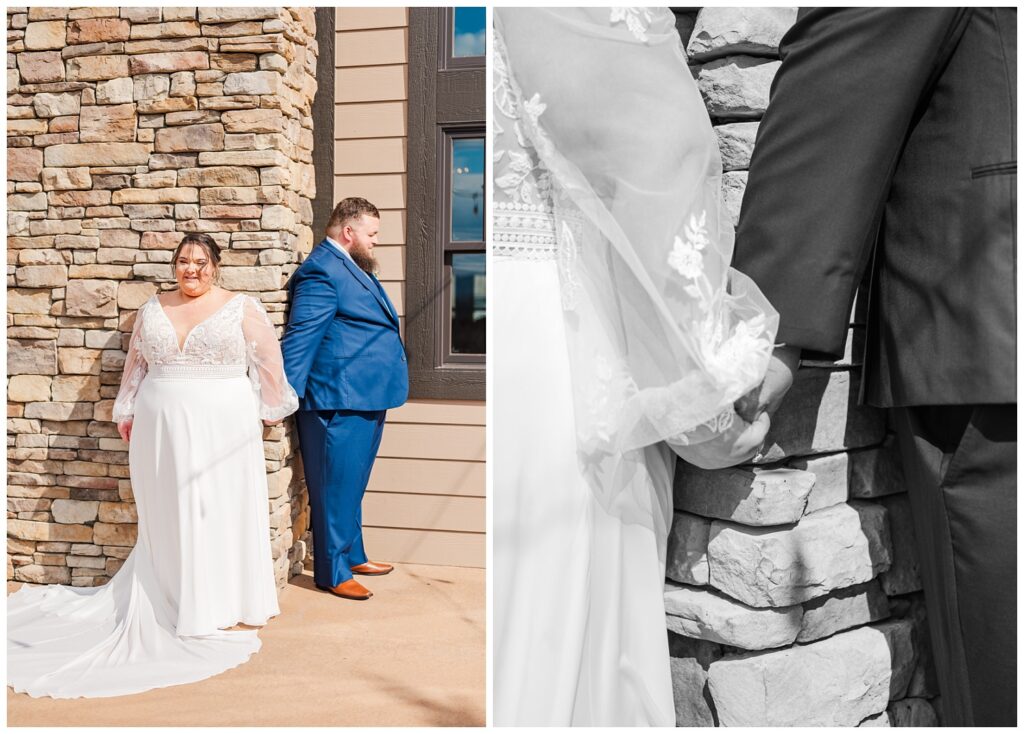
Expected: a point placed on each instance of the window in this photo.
(446, 295)
(465, 323)
(463, 40)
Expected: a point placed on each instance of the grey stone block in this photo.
(820, 414)
(711, 616)
(831, 549)
(839, 681)
(746, 495)
(842, 610)
(736, 144)
(687, 560)
(737, 86)
(721, 31)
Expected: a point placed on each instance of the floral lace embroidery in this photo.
(731, 360)
(721, 422)
(686, 258)
(523, 180)
(637, 20)
(735, 362)
(610, 381)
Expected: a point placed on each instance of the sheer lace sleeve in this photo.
(266, 367)
(663, 336)
(135, 368)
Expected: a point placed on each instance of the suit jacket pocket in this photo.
(995, 169)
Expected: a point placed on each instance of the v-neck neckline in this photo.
(181, 346)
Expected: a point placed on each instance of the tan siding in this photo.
(354, 19)
(391, 259)
(371, 84)
(392, 228)
(372, 47)
(415, 546)
(428, 476)
(470, 413)
(428, 441)
(425, 500)
(370, 120)
(374, 155)
(425, 511)
(386, 190)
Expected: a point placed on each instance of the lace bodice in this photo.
(238, 334)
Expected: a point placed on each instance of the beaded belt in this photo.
(196, 371)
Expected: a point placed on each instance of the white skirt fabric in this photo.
(579, 618)
(202, 561)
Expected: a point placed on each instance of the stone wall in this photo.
(127, 127)
(793, 596)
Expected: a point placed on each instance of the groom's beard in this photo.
(364, 259)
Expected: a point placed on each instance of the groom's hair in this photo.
(349, 209)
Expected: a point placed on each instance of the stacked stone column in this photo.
(128, 127)
(793, 594)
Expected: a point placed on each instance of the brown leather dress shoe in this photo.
(350, 589)
(372, 568)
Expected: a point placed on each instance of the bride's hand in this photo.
(737, 445)
(125, 429)
(272, 423)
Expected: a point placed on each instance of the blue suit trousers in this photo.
(338, 449)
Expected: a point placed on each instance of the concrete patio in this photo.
(413, 655)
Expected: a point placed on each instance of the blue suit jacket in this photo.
(342, 349)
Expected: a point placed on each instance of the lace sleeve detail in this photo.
(644, 254)
(135, 368)
(277, 399)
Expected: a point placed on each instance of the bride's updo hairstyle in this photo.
(206, 242)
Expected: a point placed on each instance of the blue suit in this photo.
(345, 359)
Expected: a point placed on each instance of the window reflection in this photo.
(467, 215)
(469, 302)
(468, 32)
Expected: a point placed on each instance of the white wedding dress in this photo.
(202, 561)
(615, 332)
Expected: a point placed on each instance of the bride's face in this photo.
(193, 270)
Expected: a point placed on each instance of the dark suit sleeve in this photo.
(840, 109)
(314, 304)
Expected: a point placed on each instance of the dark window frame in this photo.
(322, 113)
(446, 45)
(442, 100)
(446, 246)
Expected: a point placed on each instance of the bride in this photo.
(621, 332)
(202, 562)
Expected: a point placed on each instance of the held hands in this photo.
(777, 380)
(745, 437)
(738, 444)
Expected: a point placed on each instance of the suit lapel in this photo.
(392, 313)
(366, 281)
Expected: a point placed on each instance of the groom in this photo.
(345, 359)
(889, 144)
